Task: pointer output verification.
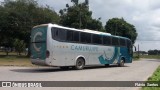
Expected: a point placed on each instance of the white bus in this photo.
(64, 47)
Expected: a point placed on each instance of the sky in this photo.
(143, 14)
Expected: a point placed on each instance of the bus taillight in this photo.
(47, 54)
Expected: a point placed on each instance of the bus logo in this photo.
(6, 84)
(34, 39)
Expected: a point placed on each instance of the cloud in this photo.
(55, 4)
(143, 14)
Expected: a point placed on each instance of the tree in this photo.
(79, 16)
(95, 24)
(19, 46)
(17, 17)
(120, 27)
(154, 52)
(75, 1)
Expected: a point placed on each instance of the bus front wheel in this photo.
(121, 64)
(80, 64)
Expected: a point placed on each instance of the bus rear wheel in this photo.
(121, 64)
(79, 64)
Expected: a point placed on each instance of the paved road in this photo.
(136, 71)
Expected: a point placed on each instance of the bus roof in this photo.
(81, 30)
(96, 32)
(40, 25)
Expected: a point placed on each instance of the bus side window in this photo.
(128, 43)
(96, 39)
(106, 40)
(115, 41)
(129, 46)
(58, 34)
(54, 33)
(76, 36)
(69, 35)
(88, 37)
(85, 37)
(62, 34)
(122, 42)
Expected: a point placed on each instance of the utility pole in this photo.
(115, 29)
(138, 50)
(80, 21)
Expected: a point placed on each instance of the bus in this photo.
(64, 47)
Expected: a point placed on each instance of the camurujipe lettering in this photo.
(84, 48)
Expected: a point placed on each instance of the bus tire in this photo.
(80, 63)
(64, 67)
(121, 64)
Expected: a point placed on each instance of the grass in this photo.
(154, 77)
(14, 60)
(135, 57)
(150, 56)
(10, 54)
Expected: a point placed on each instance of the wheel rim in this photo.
(80, 64)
